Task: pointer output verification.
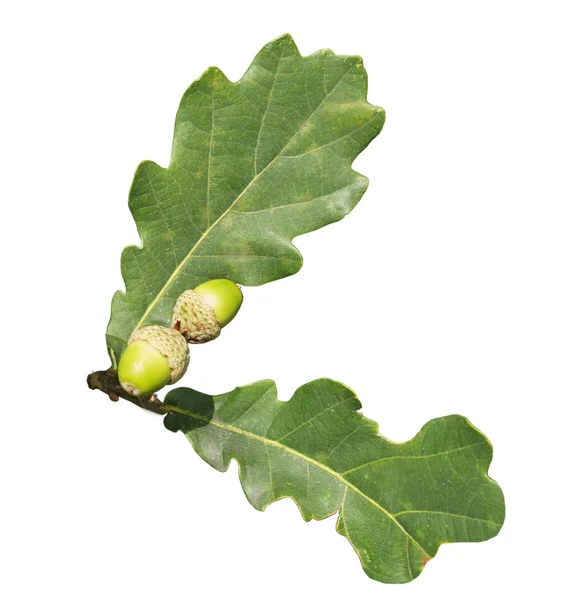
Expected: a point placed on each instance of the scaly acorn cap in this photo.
(195, 319)
(169, 343)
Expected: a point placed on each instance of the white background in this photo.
(456, 286)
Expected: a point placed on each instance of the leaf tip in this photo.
(215, 76)
(381, 113)
(283, 41)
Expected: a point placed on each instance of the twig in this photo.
(107, 382)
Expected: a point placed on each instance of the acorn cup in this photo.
(156, 356)
(200, 314)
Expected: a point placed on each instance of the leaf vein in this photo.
(322, 412)
(404, 457)
(268, 104)
(210, 148)
(336, 140)
(445, 513)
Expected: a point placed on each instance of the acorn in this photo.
(200, 314)
(156, 356)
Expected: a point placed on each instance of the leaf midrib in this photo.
(210, 228)
(328, 470)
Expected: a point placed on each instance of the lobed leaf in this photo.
(396, 502)
(254, 164)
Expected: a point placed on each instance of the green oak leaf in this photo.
(254, 164)
(396, 502)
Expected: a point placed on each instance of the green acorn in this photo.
(155, 356)
(200, 314)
